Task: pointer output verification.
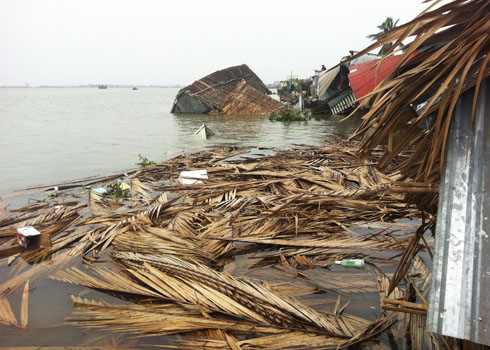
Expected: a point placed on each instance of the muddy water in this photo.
(50, 135)
(50, 301)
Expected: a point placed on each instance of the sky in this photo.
(68, 42)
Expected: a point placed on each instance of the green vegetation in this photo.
(144, 161)
(51, 196)
(285, 86)
(290, 115)
(119, 190)
(384, 27)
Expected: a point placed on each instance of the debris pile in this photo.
(234, 90)
(243, 259)
(244, 99)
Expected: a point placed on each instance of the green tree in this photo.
(385, 27)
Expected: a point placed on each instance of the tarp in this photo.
(325, 80)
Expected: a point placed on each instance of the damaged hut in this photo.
(216, 92)
(245, 99)
(338, 90)
(441, 106)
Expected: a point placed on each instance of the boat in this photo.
(135, 88)
(102, 86)
(204, 132)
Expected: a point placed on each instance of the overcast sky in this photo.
(64, 42)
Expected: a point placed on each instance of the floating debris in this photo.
(176, 251)
(191, 177)
(204, 132)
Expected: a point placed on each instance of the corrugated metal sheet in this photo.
(459, 304)
(342, 102)
(363, 79)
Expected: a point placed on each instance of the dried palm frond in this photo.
(39, 272)
(154, 320)
(341, 282)
(161, 198)
(380, 325)
(140, 188)
(24, 315)
(153, 240)
(108, 235)
(54, 214)
(99, 205)
(451, 47)
(197, 284)
(295, 340)
(340, 242)
(104, 279)
(6, 314)
(298, 208)
(93, 347)
(58, 244)
(407, 257)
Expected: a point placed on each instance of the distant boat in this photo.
(135, 88)
(102, 86)
(204, 132)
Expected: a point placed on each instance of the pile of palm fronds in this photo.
(244, 260)
(448, 55)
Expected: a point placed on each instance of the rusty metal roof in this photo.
(364, 77)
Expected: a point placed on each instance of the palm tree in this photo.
(385, 27)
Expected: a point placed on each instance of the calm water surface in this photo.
(50, 135)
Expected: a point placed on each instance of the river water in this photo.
(55, 134)
(49, 135)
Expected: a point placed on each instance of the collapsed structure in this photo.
(441, 106)
(234, 90)
(240, 254)
(339, 90)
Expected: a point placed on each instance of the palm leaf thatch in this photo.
(197, 284)
(154, 240)
(104, 279)
(154, 320)
(187, 255)
(448, 55)
(39, 272)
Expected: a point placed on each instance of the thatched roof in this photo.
(454, 43)
(246, 100)
(211, 90)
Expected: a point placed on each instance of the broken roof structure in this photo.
(449, 79)
(208, 93)
(245, 99)
(340, 88)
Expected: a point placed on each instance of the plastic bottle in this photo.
(351, 262)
